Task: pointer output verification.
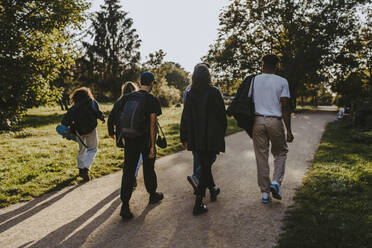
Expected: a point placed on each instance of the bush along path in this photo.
(334, 206)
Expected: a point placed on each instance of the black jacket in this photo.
(204, 123)
(82, 117)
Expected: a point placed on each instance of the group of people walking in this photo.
(133, 125)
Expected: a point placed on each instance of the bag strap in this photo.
(159, 127)
(82, 142)
(254, 108)
(253, 87)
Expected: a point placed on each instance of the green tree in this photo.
(113, 57)
(35, 46)
(306, 35)
(353, 68)
(166, 94)
(176, 76)
(173, 73)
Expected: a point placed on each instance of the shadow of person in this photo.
(26, 244)
(29, 209)
(79, 238)
(119, 231)
(197, 229)
(54, 238)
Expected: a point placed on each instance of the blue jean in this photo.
(139, 164)
(206, 180)
(196, 170)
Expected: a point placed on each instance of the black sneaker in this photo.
(155, 198)
(125, 212)
(214, 192)
(85, 175)
(199, 207)
(81, 173)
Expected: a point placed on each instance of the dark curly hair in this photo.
(80, 94)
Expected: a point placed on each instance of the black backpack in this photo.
(242, 106)
(132, 117)
(84, 117)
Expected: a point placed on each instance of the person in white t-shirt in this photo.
(271, 98)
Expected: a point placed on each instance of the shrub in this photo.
(363, 115)
(167, 95)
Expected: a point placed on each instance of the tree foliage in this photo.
(306, 35)
(34, 47)
(113, 56)
(171, 78)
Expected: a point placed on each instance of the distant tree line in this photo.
(42, 60)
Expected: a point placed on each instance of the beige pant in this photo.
(268, 130)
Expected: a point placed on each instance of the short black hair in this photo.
(271, 60)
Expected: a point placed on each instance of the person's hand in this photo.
(112, 136)
(184, 145)
(152, 152)
(290, 137)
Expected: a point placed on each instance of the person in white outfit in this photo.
(271, 97)
(81, 118)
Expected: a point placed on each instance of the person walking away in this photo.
(81, 118)
(113, 121)
(203, 127)
(271, 100)
(137, 121)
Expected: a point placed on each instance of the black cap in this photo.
(147, 78)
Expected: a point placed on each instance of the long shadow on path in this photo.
(24, 210)
(54, 238)
(79, 238)
(126, 230)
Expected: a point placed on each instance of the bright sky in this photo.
(184, 29)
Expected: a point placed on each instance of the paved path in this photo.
(87, 215)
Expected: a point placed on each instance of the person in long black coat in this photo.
(203, 128)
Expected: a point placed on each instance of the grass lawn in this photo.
(36, 160)
(334, 206)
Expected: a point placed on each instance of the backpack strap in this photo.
(252, 85)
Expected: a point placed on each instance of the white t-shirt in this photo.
(268, 89)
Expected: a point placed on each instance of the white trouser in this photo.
(86, 155)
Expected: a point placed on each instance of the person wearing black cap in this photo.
(136, 117)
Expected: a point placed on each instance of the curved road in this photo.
(87, 215)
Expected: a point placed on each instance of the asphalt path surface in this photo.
(87, 215)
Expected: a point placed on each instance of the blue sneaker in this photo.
(275, 190)
(265, 197)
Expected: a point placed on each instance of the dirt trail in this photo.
(88, 215)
